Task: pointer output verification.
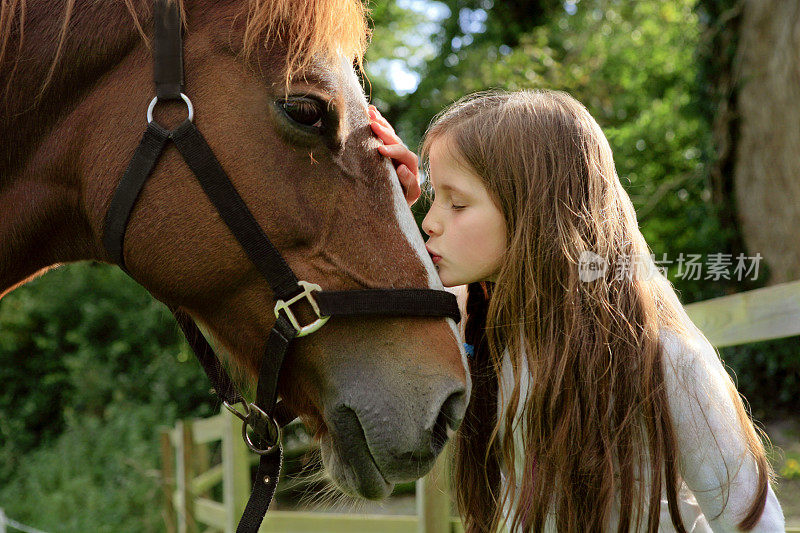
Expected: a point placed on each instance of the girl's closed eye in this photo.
(455, 204)
(457, 201)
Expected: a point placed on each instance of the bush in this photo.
(90, 364)
(768, 375)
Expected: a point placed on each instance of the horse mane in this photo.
(323, 29)
(48, 61)
(309, 30)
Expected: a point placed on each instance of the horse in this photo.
(276, 93)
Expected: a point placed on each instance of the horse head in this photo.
(287, 119)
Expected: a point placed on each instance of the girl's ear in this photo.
(460, 292)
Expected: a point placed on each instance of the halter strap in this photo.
(167, 50)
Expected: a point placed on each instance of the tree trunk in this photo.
(767, 152)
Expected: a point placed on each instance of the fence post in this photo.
(2, 521)
(186, 520)
(202, 462)
(167, 480)
(433, 497)
(235, 470)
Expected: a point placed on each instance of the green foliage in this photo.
(90, 364)
(791, 469)
(768, 375)
(100, 475)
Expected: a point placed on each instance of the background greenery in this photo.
(91, 365)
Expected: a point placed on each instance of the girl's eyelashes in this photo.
(445, 200)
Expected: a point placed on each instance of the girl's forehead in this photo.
(448, 172)
(454, 179)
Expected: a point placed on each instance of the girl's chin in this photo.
(453, 281)
(446, 280)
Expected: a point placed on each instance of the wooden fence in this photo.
(188, 480)
(762, 314)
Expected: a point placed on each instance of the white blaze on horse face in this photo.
(405, 219)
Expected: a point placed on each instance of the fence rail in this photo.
(762, 314)
(6, 522)
(188, 478)
(751, 316)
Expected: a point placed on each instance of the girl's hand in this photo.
(405, 161)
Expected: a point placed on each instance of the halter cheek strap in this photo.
(265, 416)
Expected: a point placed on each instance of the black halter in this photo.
(265, 416)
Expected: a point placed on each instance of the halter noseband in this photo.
(266, 415)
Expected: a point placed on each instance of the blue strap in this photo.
(470, 349)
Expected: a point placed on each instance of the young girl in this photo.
(597, 405)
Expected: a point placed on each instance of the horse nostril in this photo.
(449, 416)
(439, 434)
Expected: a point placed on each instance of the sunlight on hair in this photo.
(313, 30)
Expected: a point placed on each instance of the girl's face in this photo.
(466, 231)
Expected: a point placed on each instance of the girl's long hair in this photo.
(595, 419)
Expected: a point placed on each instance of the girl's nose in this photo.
(429, 225)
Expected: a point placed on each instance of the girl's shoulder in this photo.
(688, 352)
(683, 343)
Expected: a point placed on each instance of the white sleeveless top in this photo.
(696, 383)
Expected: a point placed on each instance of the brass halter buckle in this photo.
(265, 428)
(302, 331)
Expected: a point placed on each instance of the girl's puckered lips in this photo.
(434, 257)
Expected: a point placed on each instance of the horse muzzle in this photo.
(378, 437)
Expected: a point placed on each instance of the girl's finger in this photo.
(406, 180)
(384, 122)
(413, 193)
(383, 126)
(376, 115)
(405, 176)
(388, 137)
(379, 128)
(401, 155)
(410, 184)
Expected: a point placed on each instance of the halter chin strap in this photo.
(265, 416)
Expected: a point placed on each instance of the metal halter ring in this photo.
(270, 447)
(154, 101)
(302, 331)
(232, 409)
(252, 416)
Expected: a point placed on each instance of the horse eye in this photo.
(304, 111)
